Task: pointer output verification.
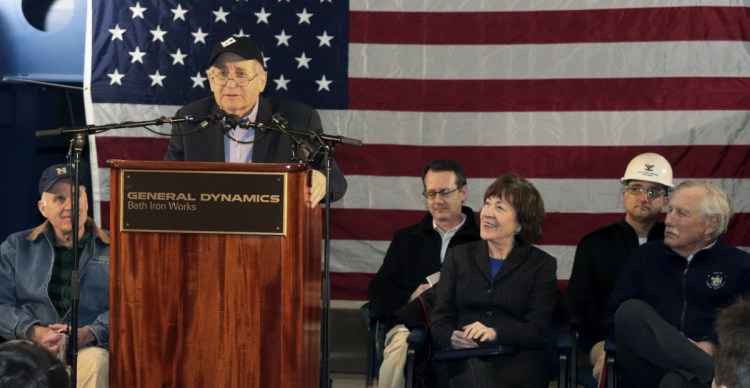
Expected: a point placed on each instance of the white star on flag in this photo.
(179, 13)
(262, 16)
(303, 61)
(283, 39)
(117, 32)
(137, 10)
(220, 15)
(241, 34)
(325, 39)
(199, 35)
(137, 55)
(115, 77)
(323, 83)
(198, 80)
(158, 34)
(304, 17)
(178, 57)
(281, 83)
(156, 78)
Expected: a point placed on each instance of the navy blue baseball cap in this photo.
(52, 175)
(240, 45)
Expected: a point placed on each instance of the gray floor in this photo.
(348, 344)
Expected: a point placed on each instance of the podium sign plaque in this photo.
(231, 202)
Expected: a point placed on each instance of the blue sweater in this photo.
(687, 296)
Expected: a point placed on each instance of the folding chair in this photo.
(376, 322)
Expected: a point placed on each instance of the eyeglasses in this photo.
(651, 193)
(222, 79)
(443, 192)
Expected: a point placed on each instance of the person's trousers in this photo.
(93, 368)
(597, 356)
(528, 369)
(652, 353)
(394, 357)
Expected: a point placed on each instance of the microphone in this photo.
(215, 116)
(279, 120)
(232, 121)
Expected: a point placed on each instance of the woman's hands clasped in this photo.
(472, 335)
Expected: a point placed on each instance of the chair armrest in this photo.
(416, 337)
(611, 350)
(482, 351)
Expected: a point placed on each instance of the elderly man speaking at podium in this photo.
(237, 78)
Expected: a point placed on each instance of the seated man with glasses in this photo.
(416, 252)
(237, 78)
(601, 254)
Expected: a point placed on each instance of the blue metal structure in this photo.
(29, 54)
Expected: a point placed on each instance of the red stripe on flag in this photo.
(545, 27)
(130, 148)
(574, 162)
(559, 228)
(550, 95)
(350, 285)
(558, 162)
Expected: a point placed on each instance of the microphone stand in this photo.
(74, 158)
(316, 148)
(94, 129)
(77, 143)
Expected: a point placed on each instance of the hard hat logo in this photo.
(649, 167)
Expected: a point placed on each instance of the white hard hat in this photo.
(649, 167)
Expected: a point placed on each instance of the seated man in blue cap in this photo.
(35, 279)
(237, 78)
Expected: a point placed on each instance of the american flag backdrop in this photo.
(563, 92)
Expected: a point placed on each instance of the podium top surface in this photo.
(204, 166)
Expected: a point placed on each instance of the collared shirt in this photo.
(690, 256)
(447, 236)
(239, 152)
(59, 287)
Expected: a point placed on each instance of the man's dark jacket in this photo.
(599, 259)
(207, 145)
(413, 255)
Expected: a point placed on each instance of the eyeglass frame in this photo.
(443, 193)
(217, 78)
(638, 190)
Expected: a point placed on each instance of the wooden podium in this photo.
(195, 303)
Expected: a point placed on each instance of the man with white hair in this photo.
(664, 304)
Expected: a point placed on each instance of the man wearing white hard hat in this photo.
(601, 254)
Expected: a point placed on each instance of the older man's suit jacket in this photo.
(207, 145)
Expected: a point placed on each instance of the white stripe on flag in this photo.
(518, 128)
(590, 60)
(367, 256)
(524, 5)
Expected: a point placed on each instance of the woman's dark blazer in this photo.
(517, 303)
